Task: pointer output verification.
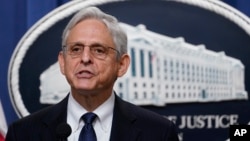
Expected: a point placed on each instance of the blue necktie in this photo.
(88, 132)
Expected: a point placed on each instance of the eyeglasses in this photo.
(97, 50)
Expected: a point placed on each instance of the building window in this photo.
(133, 62)
(173, 95)
(135, 85)
(144, 95)
(120, 85)
(152, 85)
(136, 95)
(121, 95)
(153, 95)
(151, 57)
(142, 63)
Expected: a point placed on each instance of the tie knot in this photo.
(88, 118)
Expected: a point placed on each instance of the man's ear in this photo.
(124, 64)
(61, 62)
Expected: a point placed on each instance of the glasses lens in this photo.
(99, 51)
(75, 50)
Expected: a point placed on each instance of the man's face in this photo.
(86, 72)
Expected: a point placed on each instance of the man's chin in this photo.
(85, 88)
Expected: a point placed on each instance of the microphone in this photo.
(63, 130)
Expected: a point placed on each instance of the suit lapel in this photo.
(123, 123)
(56, 115)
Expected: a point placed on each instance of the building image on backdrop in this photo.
(164, 70)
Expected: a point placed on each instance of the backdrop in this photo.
(18, 16)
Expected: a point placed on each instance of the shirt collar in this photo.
(104, 113)
(75, 111)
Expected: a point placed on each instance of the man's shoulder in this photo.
(33, 118)
(48, 113)
(144, 114)
(146, 120)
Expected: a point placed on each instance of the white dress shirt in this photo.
(102, 124)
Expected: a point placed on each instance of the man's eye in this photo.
(76, 49)
(99, 50)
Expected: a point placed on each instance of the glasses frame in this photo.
(94, 48)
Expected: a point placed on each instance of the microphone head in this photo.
(63, 130)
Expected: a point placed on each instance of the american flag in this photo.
(3, 125)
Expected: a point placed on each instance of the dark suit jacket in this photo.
(130, 123)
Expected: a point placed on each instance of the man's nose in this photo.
(86, 55)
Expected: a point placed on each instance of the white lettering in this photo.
(207, 121)
(239, 132)
(243, 131)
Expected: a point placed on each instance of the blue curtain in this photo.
(17, 16)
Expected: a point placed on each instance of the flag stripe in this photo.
(1, 137)
(3, 125)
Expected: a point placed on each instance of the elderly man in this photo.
(93, 56)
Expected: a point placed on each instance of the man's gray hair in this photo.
(118, 34)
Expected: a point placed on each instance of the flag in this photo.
(1, 137)
(3, 125)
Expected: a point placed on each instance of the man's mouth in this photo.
(84, 74)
